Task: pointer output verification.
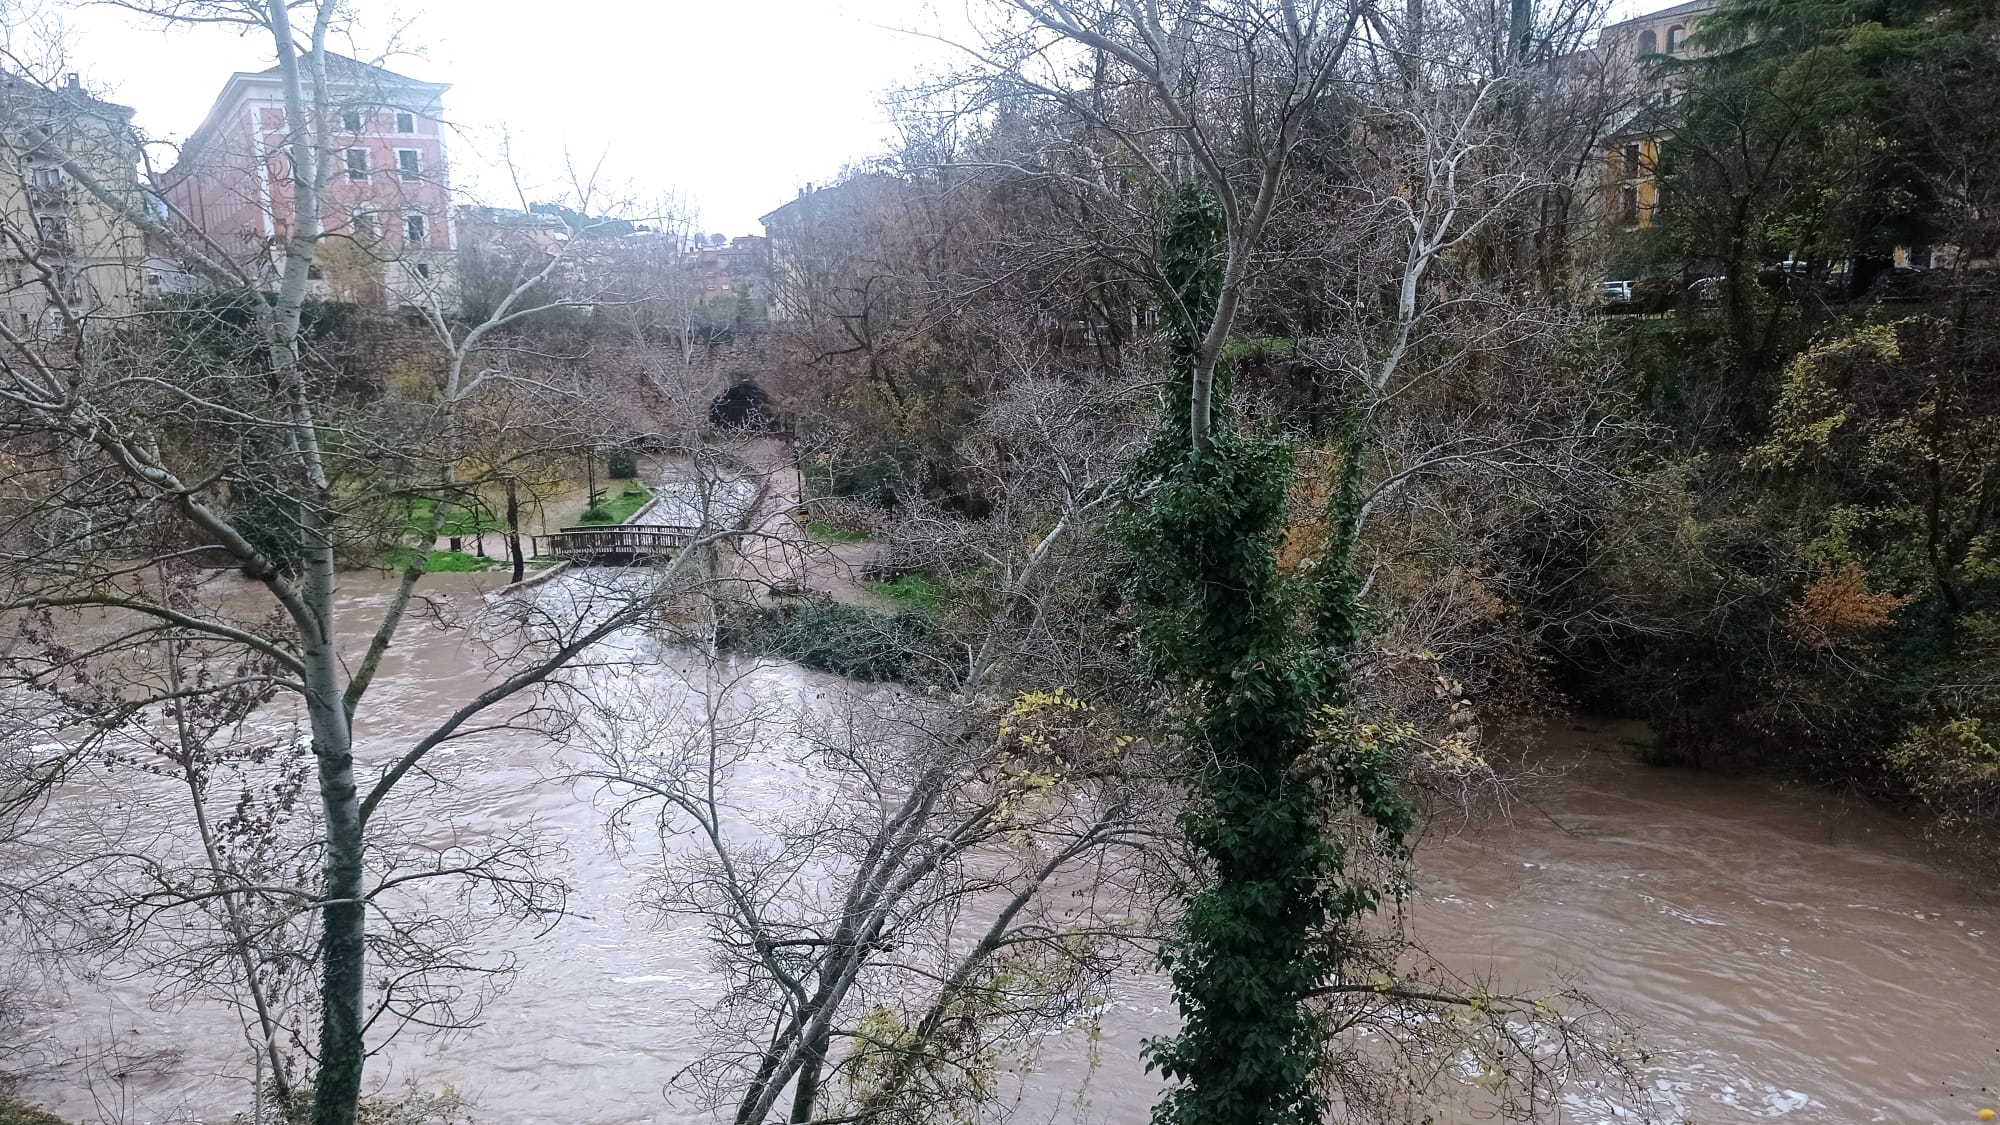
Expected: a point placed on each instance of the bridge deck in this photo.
(622, 544)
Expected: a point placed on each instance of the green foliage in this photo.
(1257, 655)
(460, 518)
(1825, 602)
(846, 640)
(14, 1112)
(619, 508)
(1259, 347)
(831, 533)
(917, 590)
(445, 1107)
(224, 323)
(1829, 130)
(269, 517)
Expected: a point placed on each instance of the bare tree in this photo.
(884, 920)
(133, 450)
(1295, 143)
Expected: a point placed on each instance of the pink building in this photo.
(388, 203)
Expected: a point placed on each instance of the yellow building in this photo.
(1632, 190)
(1635, 52)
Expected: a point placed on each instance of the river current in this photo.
(1785, 956)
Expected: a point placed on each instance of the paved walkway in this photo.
(780, 554)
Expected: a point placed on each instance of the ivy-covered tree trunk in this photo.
(1259, 655)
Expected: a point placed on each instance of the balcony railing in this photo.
(45, 196)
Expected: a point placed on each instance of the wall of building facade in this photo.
(387, 209)
(53, 232)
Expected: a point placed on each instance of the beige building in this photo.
(58, 239)
(1664, 32)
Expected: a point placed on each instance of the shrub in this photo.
(846, 640)
(20, 1113)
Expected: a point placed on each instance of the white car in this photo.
(1616, 292)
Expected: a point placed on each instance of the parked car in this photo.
(1616, 293)
(1654, 295)
(1902, 283)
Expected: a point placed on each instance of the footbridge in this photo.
(619, 544)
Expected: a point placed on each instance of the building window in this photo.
(1628, 206)
(357, 163)
(1631, 158)
(45, 187)
(408, 164)
(406, 123)
(54, 230)
(351, 121)
(413, 230)
(1675, 35)
(424, 270)
(364, 223)
(1649, 43)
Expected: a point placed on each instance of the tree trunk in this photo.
(343, 942)
(514, 531)
(805, 1096)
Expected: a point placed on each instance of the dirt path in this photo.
(782, 555)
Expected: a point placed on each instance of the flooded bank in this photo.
(1785, 955)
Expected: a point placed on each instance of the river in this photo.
(1786, 956)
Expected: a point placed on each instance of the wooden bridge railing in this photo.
(616, 543)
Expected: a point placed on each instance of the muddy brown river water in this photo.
(1787, 956)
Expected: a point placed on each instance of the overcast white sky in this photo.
(734, 103)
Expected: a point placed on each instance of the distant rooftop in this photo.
(71, 91)
(341, 68)
(1692, 7)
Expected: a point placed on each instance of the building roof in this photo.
(71, 93)
(345, 76)
(347, 71)
(1650, 121)
(859, 181)
(1691, 8)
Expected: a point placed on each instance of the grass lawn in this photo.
(828, 533)
(619, 508)
(919, 589)
(449, 562)
(458, 521)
